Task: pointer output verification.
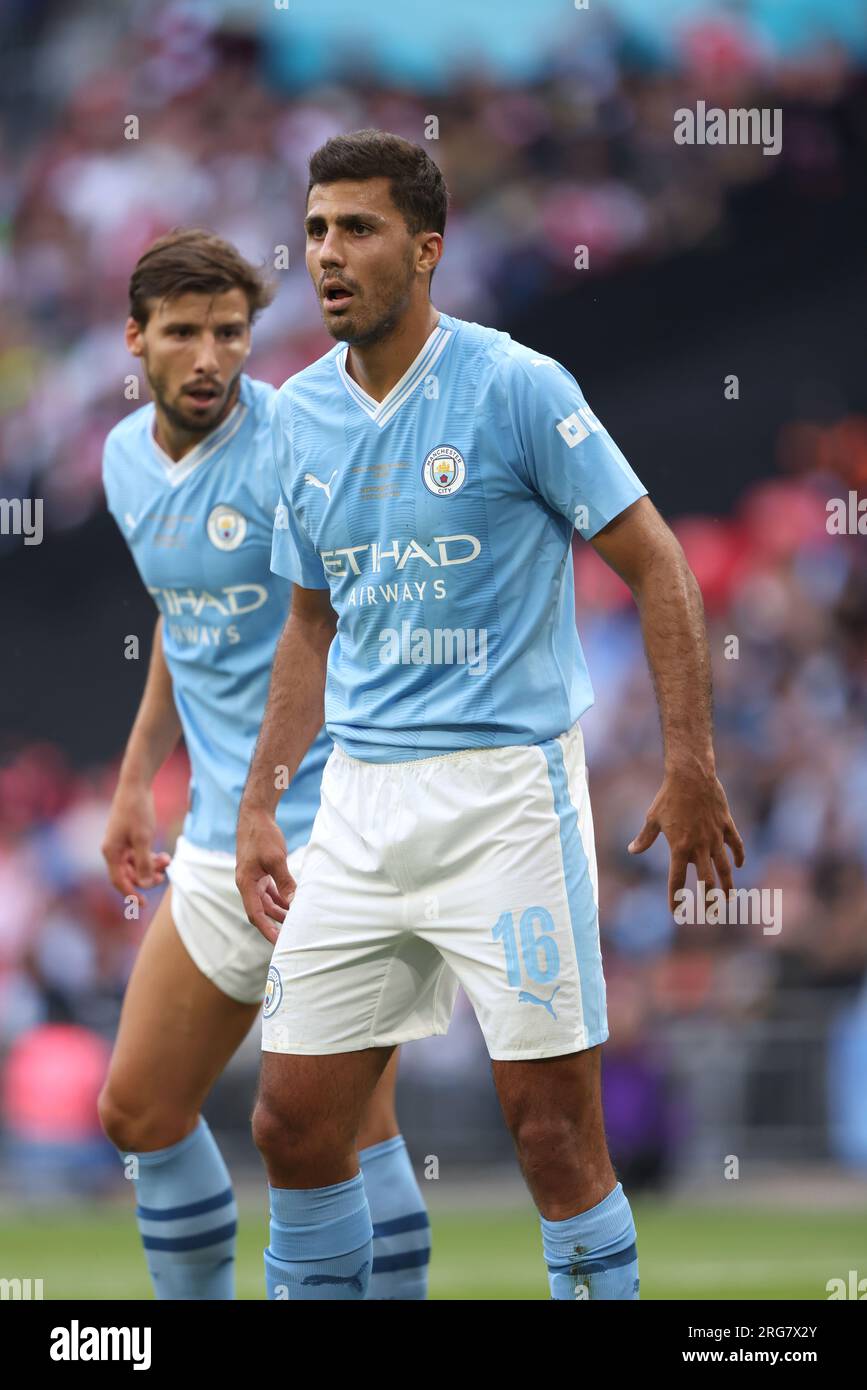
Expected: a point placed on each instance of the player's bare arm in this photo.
(293, 716)
(690, 807)
(127, 846)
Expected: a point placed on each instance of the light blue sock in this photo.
(593, 1255)
(321, 1242)
(401, 1229)
(187, 1217)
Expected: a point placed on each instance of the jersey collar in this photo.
(176, 472)
(380, 412)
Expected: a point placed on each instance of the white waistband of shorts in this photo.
(404, 766)
(190, 853)
(187, 850)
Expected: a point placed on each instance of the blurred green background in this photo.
(686, 1251)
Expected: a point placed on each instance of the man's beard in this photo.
(179, 420)
(376, 332)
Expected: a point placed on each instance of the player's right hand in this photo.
(127, 845)
(264, 882)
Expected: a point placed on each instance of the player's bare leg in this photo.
(401, 1227)
(379, 1117)
(305, 1124)
(553, 1108)
(177, 1033)
(309, 1112)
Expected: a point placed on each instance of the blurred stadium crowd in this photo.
(587, 145)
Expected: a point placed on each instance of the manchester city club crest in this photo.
(227, 527)
(444, 471)
(273, 992)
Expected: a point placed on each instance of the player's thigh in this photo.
(177, 1029)
(379, 1116)
(562, 1094)
(303, 1096)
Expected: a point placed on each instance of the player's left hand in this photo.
(261, 872)
(693, 814)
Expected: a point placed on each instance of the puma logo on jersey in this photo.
(525, 997)
(314, 482)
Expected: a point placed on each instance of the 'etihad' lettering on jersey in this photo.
(448, 552)
(194, 601)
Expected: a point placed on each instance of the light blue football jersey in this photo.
(200, 534)
(441, 520)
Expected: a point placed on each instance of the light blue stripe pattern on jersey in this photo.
(187, 1218)
(441, 521)
(401, 1227)
(582, 903)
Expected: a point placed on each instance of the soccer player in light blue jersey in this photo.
(433, 472)
(190, 481)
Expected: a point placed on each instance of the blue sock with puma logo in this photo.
(321, 1242)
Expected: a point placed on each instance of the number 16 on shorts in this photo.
(531, 955)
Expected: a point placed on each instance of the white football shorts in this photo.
(475, 868)
(209, 918)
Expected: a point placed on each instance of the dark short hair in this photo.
(418, 189)
(193, 261)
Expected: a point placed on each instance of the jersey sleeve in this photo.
(292, 554)
(568, 456)
(113, 481)
(108, 480)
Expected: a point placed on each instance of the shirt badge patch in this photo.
(444, 471)
(226, 527)
(273, 991)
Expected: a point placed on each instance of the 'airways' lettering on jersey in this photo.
(449, 550)
(237, 599)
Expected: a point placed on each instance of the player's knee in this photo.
(546, 1139)
(139, 1128)
(285, 1139)
(276, 1136)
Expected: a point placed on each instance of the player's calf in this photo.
(185, 1206)
(553, 1109)
(321, 1236)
